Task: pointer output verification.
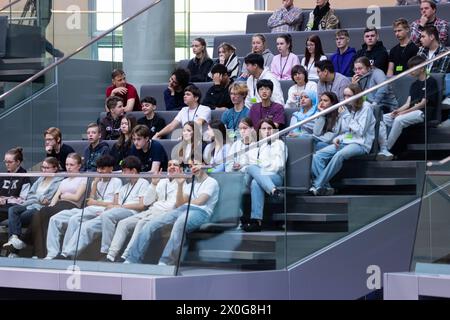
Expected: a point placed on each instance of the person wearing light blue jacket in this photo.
(355, 137)
(308, 107)
(40, 195)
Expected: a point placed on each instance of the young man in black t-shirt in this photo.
(402, 52)
(151, 119)
(423, 93)
(150, 152)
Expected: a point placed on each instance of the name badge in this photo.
(399, 68)
(349, 136)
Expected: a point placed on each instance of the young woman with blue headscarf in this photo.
(308, 107)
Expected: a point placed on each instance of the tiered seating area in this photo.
(311, 222)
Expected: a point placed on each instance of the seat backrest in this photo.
(440, 79)
(168, 146)
(183, 63)
(298, 166)
(156, 91)
(231, 189)
(401, 88)
(3, 34)
(204, 87)
(285, 85)
(216, 114)
(257, 23)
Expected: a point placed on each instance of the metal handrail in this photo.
(59, 61)
(334, 107)
(9, 5)
(439, 163)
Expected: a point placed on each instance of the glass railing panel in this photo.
(52, 229)
(432, 241)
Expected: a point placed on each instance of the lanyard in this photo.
(331, 87)
(102, 196)
(195, 112)
(282, 68)
(127, 195)
(235, 121)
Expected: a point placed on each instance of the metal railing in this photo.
(9, 5)
(62, 60)
(335, 107)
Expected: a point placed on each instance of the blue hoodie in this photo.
(343, 63)
(300, 116)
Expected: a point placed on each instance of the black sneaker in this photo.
(278, 194)
(253, 226)
(60, 257)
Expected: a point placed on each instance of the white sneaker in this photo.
(13, 255)
(110, 258)
(17, 243)
(446, 123)
(384, 155)
(49, 258)
(313, 190)
(160, 263)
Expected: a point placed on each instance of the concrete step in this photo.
(310, 217)
(378, 182)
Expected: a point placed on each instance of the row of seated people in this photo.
(290, 18)
(343, 62)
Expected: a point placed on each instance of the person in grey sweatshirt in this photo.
(329, 80)
(367, 77)
(355, 137)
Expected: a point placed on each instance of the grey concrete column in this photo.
(149, 42)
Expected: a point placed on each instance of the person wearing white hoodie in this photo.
(355, 137)
(264, 173)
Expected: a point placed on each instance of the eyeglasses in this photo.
(9, 161)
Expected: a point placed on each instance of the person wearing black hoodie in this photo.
(95, 149)
(374, 49)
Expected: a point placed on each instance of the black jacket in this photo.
(378, 56)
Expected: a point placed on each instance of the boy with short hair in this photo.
(403, 51)
(422, 93)
(151, 119)
(96, 148)
(124, 90)
(266, 109)
(110, 125)
(101, 195)
(193, 112)
(343, 58)
(151, 153)
(374, 49)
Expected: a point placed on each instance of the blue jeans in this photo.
(323, 169)
(19, 216)
(261, 182)
(177, 217)
(320, 145)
